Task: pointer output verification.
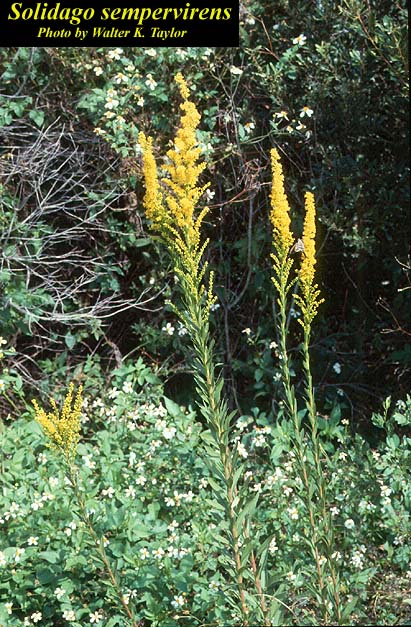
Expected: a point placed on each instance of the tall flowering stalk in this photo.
(171, 208)
(309, 301)
(321, 541)
(63, 432)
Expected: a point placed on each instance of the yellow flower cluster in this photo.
(153, 200)
(306, 273)
(63, 430)
(184, 171)
(283, 240)
(280, 210)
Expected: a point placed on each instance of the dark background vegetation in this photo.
(82, 286)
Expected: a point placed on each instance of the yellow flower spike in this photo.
(153, 201)
(280, 210)
(183, 86)
(310, 299)
(63, 431)
(173, 215)
(306, 273)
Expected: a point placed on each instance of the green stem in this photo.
(299, 435)
(216, 417)
(97, 541)
(322, 490)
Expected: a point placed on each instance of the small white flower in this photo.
(293, 513)
(115, 54)
(89, 463)
(337, 368)
(246, 331)
(140, 101)
(110, 492)
(9, 607)
(273, 548)
(290, 576)
(113, 393)
(168, 328)
(282, 115)
(189, 496)
(3, 560)
(132, 459)
(349, 524)
(182, 330)
(144, 553)
(33, 541)
(300, 40)
(385, 491)
(59, 592)
(214, 585)
(259, 440)
(120, 78)
(127, 387)
(98, 71)
(37, 505)
(19, 552)
(150, 82)
(69, 615)
(36, 617)
(306, 111)
(111, 103)
(236, 70)
(130, 492)
(178, 601)
(95, 617)
(169, 433)
(242, 450)
(141, 480)
(151, 52)
(158, 553)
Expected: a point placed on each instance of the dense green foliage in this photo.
(148, 486)
(84, 292)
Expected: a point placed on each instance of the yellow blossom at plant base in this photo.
(280, 210)
(63, 430)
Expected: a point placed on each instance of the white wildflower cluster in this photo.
(176, 499)
(357, 557)
(277, 478)
(273, 548)
(243, 422)
(242, 451)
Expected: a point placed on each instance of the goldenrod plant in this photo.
(310, 458)
(171, 207)
(63, 432)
